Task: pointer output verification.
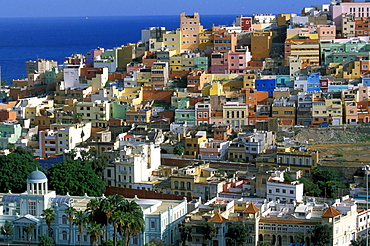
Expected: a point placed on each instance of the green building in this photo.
(185, 115)
(339, 52)
(9, 133)
(118, 110)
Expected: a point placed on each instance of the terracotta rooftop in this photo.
(330, 213)
(251, 209)
(217, 218)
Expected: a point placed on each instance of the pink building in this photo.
(218, 65)
(237, 62)
(357, 9)
(132, 67)
(230, 62)
(326, 32)
(93, 53)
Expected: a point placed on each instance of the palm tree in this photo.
(7, 230)
(29, 231)
(185, 232)
(117, 220)
(70, 211)
(209, 231)
(49, 217)
(93, 205)
(108, 208)
(94, 231)
(81, 219)
(133, 221)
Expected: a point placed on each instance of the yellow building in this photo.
(306, 49)
(284, 111)
(249, 81)
(176, 63)
(205, 39)
(296, 158)
(283, 19)
(132, 95)
(326, 110)
(350, 70)
(261, 43)
(34, 107)
(143, 79)
(184, 181)
(138, 114)
(192, 143)
(172, 41)
(235, 113)
(125, 54)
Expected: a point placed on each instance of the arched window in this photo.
(176, 184)
(182, 185)
(64, 235)
(188, 186)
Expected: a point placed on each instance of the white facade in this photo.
(71, 77)
(161, 218)
(278, 190)
(136, 164)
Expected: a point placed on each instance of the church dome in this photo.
(36, 177)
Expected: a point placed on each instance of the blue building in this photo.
(313, 82)
(268, 85)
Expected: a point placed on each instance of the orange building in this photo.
(362, 26)
(195, 81)
(190, 28)
(7, 115)
(224, 41)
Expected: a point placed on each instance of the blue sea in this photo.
(24, 39)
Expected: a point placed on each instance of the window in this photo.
(284, 191)
(291, 192)
(152, 224)
(278, 190)
(32, 208)
(288, 112)
(64, 219)
(64, 235)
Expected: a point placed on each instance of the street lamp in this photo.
(367, 171)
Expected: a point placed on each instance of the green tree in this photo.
(359, 242)
(118, 220)
(45, 240)
(287, 178)
(299, 238)
(29, 231)
(81, 220)
(209, 231)
(48, 215)
(310, 188)
(185, 232)
(94, 231)
(178, 150)
(14, 170)
(7, 230)
(76, 177)
(156, 242)
(237, 234)
(70, 212)
(321, 235)
(133, 220)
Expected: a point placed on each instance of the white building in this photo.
(279, 190)
(135, 164)
(161, 217)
